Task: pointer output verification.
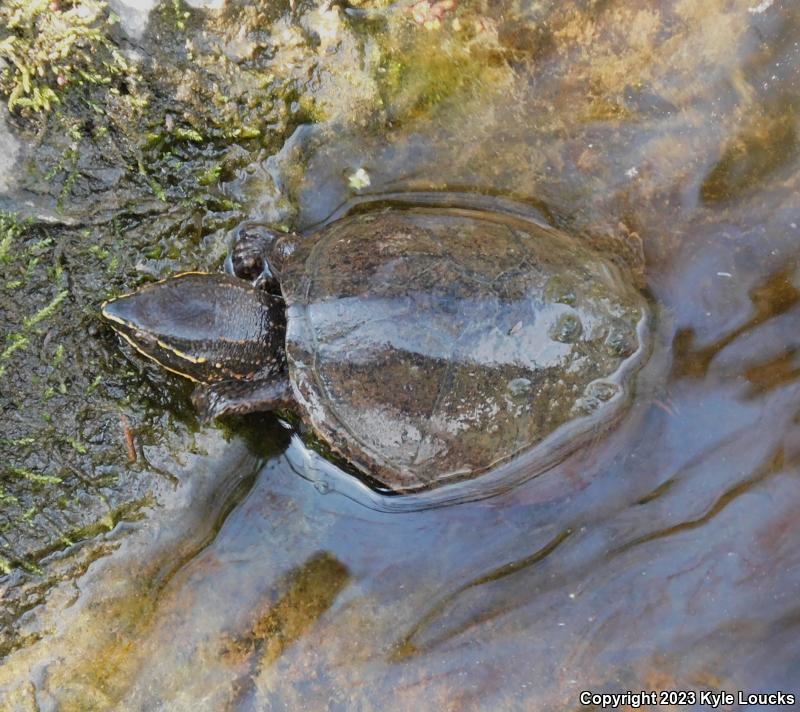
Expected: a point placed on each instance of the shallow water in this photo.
(663, 555)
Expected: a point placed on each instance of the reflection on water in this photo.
(777, 295)
(664, 555)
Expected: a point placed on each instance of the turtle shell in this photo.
(427, 345)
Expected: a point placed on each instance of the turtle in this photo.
(424, 345)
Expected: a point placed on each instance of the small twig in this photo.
(130, 442)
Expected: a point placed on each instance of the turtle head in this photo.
(205, 327)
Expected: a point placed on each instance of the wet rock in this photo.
(767, 143)
(133, 14)
(10, 149)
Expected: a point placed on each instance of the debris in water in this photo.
(761, 7)
(430, 14)
(359, 179)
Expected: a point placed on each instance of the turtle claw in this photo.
(267, 282)
(248, 258)
(207, 403)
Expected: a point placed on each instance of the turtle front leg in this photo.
(240, 397)
(249, 257)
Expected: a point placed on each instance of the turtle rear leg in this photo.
(240, 397)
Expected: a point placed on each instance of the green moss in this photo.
(6, 498)
(15, 342)
(92, 387)
(310, 110)
(180, 13)
(59, 356)
(98, 251)
(184, 134)
(80, 448)
(21, 339)
(46, 311)
(50, 46)
(34, 477)
(11, 227)
(211, 175)
(418, 71)
(158, 189)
